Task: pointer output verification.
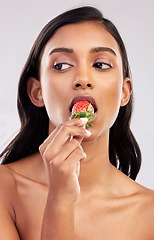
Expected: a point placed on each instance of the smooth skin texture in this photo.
(70, 191)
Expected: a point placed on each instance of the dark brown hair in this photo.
(124, 151)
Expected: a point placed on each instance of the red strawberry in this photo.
(83, 109)
(81, 106)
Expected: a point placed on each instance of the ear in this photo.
(35, 92)
(126, 91)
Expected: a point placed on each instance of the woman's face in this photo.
(82, 60)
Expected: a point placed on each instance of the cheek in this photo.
(114, 96)
(111, 88)
(110, 93)
(54, 95)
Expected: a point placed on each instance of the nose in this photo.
(83, 80)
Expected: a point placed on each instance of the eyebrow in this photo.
(62, 49)
(93, 50)
(103, 49)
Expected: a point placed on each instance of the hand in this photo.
(62, 153)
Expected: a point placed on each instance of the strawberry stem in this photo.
(87, 114)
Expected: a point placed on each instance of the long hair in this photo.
(124, 151)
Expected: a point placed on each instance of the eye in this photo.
(61, 66)
(102, 66)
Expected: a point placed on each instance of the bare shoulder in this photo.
(7, 198)
(7, 185)
(8, 189)
(143, 207)
(145, 211)
(7, 180)
(144, 195)
(146, 202)
(139, 205)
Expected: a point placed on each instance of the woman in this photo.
(58, 179)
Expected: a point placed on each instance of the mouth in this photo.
(83, 98)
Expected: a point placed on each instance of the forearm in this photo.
(58, 221)
(62, 153)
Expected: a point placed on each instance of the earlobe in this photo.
(35, 92)
(126, 91)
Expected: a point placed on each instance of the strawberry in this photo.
(83, 109)
(81, 106)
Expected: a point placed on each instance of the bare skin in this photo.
(46, 192)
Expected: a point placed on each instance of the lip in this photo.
(87, 98)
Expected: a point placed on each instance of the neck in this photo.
(97, 170)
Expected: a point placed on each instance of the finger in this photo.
(74, 122)
(77, 169)
(68, 132)
(65, 152)
(44, 145)
(60, 139)
(70, 164)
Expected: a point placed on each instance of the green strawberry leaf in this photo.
(91, 118)
(90, 108)
(83, 114)
(73, 116)
(87, 114)
(88, 125)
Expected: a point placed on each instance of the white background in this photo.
(21, 22)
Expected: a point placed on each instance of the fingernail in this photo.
(88, 132)
(84, 119)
